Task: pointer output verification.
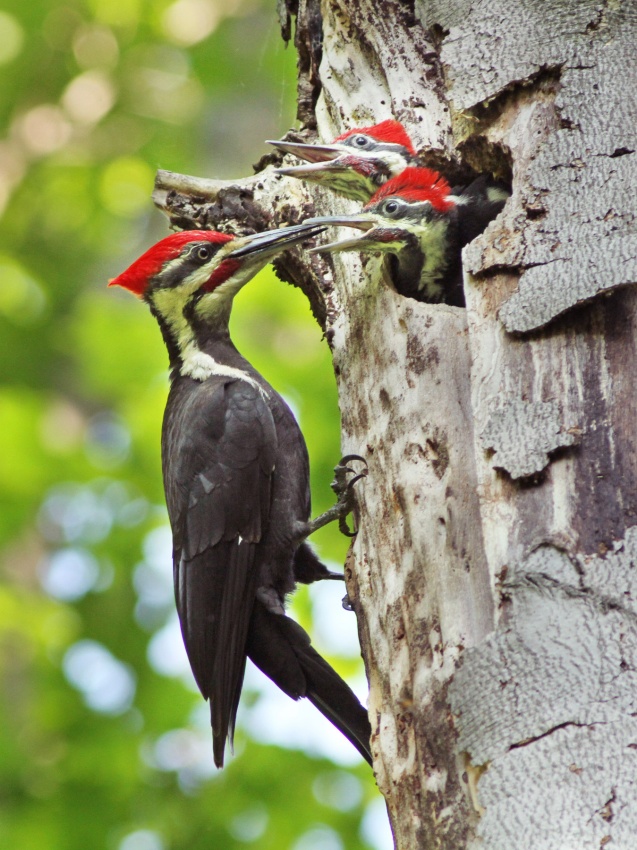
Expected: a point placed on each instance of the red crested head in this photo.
(391, 132)
(138, 275)
(416, 185)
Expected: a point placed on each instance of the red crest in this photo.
(416, 185)
(390, 131)
(138, 274)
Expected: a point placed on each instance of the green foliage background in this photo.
(104, 743)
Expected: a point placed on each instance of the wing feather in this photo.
(219, 453)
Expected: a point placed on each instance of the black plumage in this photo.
(236, 477)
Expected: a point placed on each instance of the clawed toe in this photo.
(340, 485)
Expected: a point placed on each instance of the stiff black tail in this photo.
(282, 650)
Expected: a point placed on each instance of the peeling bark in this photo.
(495, 570)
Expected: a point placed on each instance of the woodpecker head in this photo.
(412, 203)
(410, 217)
(356, 163)
(189, 279)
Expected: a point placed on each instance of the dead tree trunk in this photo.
(493, 572)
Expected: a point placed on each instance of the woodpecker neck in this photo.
(433, 241)
(197, 338)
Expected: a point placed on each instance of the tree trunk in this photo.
(494, 567)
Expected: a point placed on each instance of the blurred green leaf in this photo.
(95, 95)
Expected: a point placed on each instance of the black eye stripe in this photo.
(199, 253)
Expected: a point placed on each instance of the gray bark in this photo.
(494, 568)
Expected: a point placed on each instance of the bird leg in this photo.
(344, 490)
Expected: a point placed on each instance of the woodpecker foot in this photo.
(346, 602)
(344, 489)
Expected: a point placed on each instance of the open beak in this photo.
(310, 153)
(272, 242)
(373, 238)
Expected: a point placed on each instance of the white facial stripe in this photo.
(170, 303)
(394, 161)
(420, 208)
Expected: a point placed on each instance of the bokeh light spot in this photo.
(44, 129)
(319, 838)
(107, 684)
(89, 97)
(250, 824)
(188, 22)
(142, 839)
(95, 46)
(69, 573)
(11, 38)
(338, 790)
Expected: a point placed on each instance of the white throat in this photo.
(196, 363)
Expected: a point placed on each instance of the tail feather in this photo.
(283, 651)
(229, 651)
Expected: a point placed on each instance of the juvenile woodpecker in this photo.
(236, 478)
(422, 224)
(357, 162)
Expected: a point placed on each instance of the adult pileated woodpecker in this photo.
(236, 478)
(357, 162)
(422, 224)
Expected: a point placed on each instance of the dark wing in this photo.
(219, 449)
(485, 198)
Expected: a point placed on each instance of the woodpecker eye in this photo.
(203, 253)
(361, 141)
(392, 207)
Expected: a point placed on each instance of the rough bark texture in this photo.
(495, 571)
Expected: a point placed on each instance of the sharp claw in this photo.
(348, 458)
(356, 478)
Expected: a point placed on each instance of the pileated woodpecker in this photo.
(236, 477)
(422, 224)
(357, 162)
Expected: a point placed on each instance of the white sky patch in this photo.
(297, 725)
(167, 655)
(334, 628)
(375, 827)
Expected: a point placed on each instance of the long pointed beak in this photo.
(376, 237)
(318, 171)
(271, 242)
(310, 153)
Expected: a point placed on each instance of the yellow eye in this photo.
(203, 253)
